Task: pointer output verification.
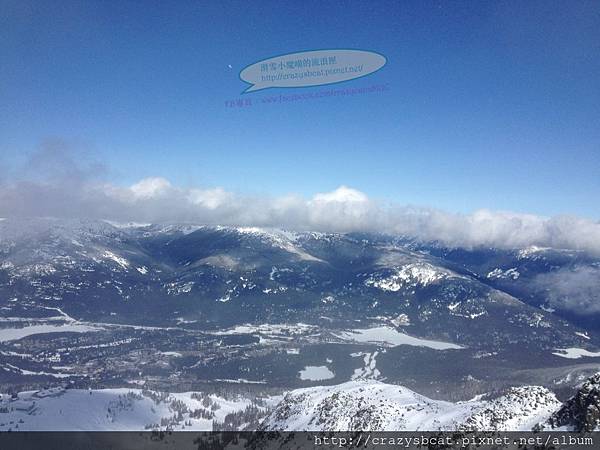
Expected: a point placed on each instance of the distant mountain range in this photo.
(218, 276)
(183, 306)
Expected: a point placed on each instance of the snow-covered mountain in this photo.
(376, 406)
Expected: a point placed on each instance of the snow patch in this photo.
(391, 337)
(498, 274)
(410, 275)
(316, 373)
(118, 259)
(13, 334)
(575, 353)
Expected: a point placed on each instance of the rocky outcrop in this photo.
(582, 411)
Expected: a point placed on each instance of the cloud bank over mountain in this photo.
(55, 184)
(574, 289)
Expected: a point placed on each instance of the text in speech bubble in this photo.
(311, 68)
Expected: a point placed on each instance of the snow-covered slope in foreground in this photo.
(58, 409)
(371, 406)
(363, 405)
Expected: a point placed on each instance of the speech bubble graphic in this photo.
(311, 68)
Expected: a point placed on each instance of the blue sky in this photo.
(490, 104)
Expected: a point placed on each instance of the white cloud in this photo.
(77, 192)
(150, 187)
(344, 209)
(343, 194)
(574, 289)
(209, 198)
